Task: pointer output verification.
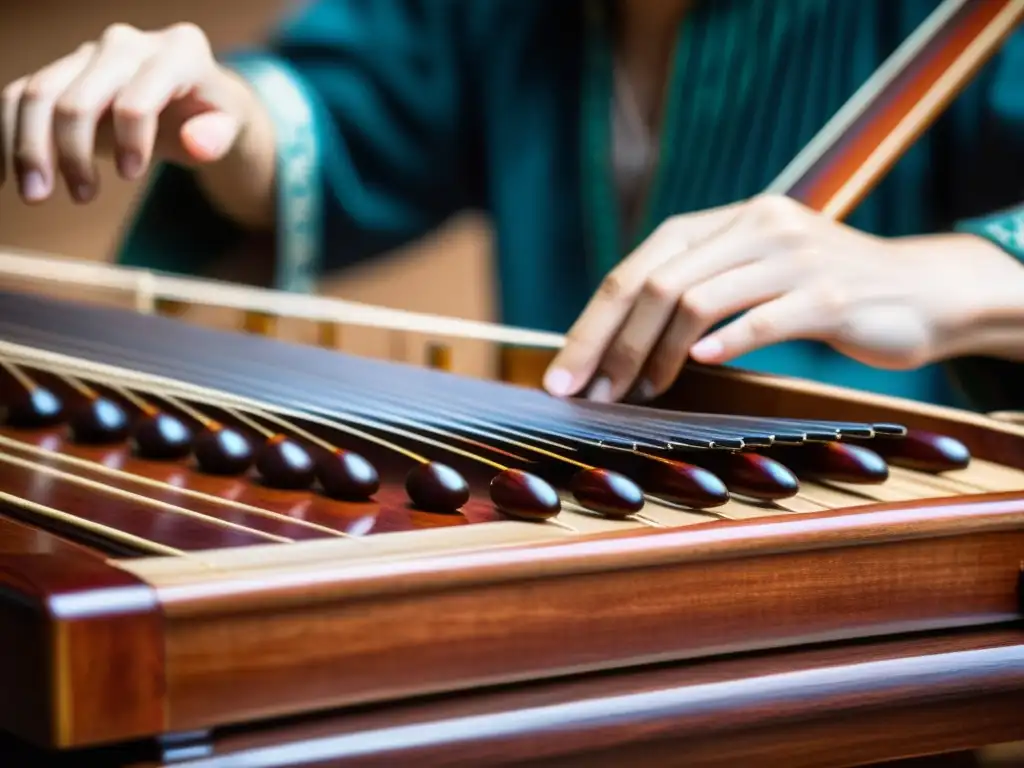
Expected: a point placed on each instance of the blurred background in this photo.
(448, 274)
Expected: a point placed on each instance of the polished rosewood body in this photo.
(313, 627)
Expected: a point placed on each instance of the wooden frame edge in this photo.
(660, 717)
(91, 630)
(357, 649)
(205, 590)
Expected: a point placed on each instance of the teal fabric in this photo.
(1004, 228)
(417, 109)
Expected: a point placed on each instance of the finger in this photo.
(209, 137)
(85, 100)
(793, 316)
(171, 74)
(586, 341)
(9, 101)
(589, 337)
(620, 362)
(704, 306)
(33, 140)
(661, 301)
(137, 110)
(740, 243)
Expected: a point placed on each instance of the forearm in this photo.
(999, 332)
(241, 185)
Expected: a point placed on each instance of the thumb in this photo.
(209, 137)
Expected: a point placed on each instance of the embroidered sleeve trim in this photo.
(299, 192)
(1005, 229)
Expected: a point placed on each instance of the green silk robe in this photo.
(392, 115)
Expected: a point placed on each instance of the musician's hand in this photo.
(131, 93)
(787, 273)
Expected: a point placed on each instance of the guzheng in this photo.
(203, 530)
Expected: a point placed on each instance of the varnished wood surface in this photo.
(298, 515)
(426, 634)
(840, 706)
(827, 707)
(81, 649)
(866, 150)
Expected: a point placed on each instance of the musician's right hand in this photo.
(134, 95)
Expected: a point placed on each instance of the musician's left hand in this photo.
(790, 273)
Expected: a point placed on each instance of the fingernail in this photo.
(601, 390)
(212, 134)
(644, 390)
(558, 382)
(82, 192)
(130, 165)
(707, 348)
(34, 186)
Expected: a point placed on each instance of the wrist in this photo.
(241, 184)
(996, 330)
(986, 309)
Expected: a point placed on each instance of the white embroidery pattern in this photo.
(1008, 231)
(299, 239)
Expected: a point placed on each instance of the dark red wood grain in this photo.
(388, 510)
(830, 707)
(81, 646)
(835, 706)
(848, 154)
